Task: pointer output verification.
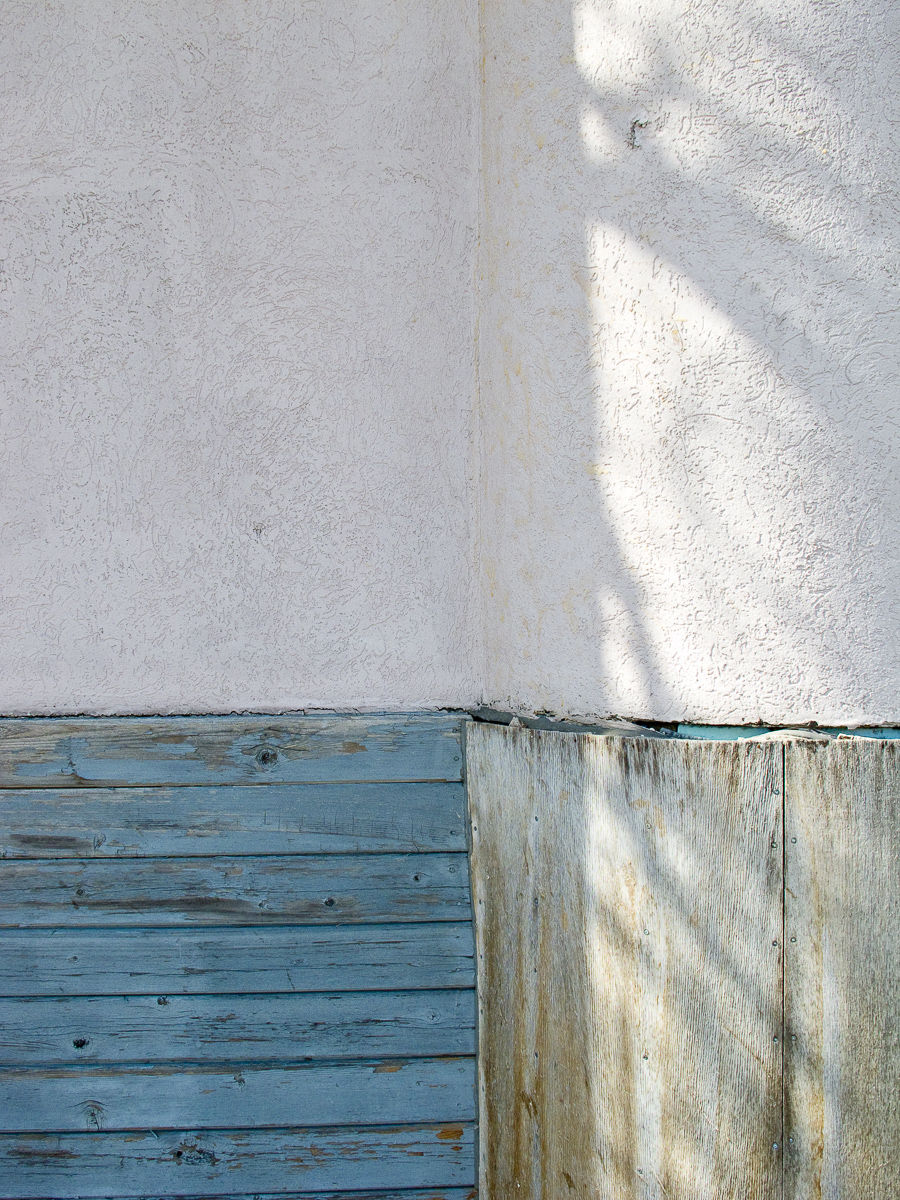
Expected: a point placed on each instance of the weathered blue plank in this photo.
(41, 752)
(440, 1193)
(302, 958)
(380, 1092)
(232, 819)
(271, 890)
(304, 1057)
(210, 1163)
(140, 1029)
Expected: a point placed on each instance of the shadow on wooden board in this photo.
(689, 966)
(628, 898)
(842, 993)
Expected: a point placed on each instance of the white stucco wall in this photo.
(238, 357)
(241, 463)
(690, 358)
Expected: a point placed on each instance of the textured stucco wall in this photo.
(237, 367)
(238, 360)
(690, 358)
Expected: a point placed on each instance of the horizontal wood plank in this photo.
(181, 962)
(439, 1193)
(133, 751)
(270, 890)
(207, 1163)
(137, 1029)
(232, 820)
(380, 1092)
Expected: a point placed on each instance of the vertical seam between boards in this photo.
(784, 749)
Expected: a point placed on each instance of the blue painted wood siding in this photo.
(236, 958)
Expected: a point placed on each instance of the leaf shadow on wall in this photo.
(690, 321)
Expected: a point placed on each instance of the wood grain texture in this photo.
(327, 748)
(317, 1037)
(128, 962)
(210, 1163)
(440, 1193)
(271, 890)
(842, 972)
(232, 820)
(379, 1092)
(628, 911)
(208, 1029)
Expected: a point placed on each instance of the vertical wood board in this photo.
(628, 900)
(842, 970)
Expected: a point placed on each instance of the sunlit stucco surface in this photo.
(690, 343)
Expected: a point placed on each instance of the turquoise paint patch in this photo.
(722, 733)
(884, 734)
(730, 733)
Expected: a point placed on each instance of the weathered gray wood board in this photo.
(257, 930)
(629, 924)
(383, 1092)
(125, 752)
(210, 1162)
(320, 1025)
(129, 962)
(271, 890)
(315, 818)
(842, 984)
